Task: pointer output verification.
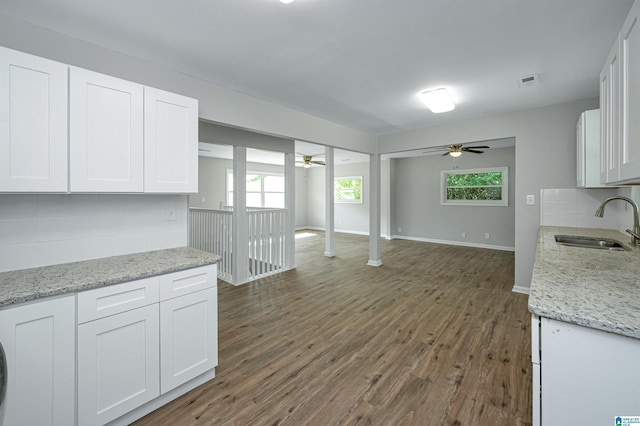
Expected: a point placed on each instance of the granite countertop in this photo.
(599, 289)
(28, 284)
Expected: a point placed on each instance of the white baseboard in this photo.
(454, 243)
(342, 231)
(520, 289)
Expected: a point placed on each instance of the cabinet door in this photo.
(610, 118)
(39, 342)
(630, 91)
(106, 133)
(170, 142)
(118, 364)
(33, 123)
(588, 149)
(189, 337)
(580, 145)
(588, 376)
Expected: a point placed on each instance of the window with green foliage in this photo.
(347, 189)
(479, 187)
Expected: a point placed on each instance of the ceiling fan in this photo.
(307, 161)
(457, 150)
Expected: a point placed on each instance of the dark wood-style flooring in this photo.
(435, 336)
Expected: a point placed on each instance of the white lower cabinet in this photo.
(139, 341)
(585, 376)
(118, 362)
(39, 343)
(188, 342)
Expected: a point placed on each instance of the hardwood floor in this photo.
(433, 337)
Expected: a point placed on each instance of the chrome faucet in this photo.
(635, 234)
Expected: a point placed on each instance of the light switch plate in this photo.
(531, 200)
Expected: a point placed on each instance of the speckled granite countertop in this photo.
(595, 288)
(28, 284)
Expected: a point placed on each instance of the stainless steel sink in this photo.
(590, 242)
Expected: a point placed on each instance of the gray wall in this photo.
(348, 217)
(545, 158)
(417, 209)
(301, 197)
(212, 174)
(211, 185)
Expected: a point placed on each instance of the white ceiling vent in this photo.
(528, 80)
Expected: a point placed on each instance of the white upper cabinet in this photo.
(106, 133)
(67, 129)
(170, 142)
(33, 123)
(588, 149)
(630, 90)
(610, 117)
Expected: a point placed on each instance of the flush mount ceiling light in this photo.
(438, 100)
(455, 152)
(286, 1)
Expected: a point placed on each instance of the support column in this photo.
(240, 243)
(290, 205)
(374, 210)
(329, 226)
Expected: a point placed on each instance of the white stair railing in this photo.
(266, 242)
(211, 231)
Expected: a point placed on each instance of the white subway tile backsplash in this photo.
(17, 231)
(576, 208)
(37, 230)
(18, 207)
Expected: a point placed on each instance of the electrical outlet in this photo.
(531, 200)
(399, 229)
(339, 221)
(463, 235)
(170, 214)
(486, 235)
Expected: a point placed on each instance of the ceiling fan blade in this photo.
(446, 153)
(317, 162)
(472, 150)
(479, 147)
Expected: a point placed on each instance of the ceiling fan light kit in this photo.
(438, 100)
(308, 162)
(457, 150)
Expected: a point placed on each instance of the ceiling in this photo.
(360, 63)
(340, 156)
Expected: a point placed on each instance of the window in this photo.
(347, 189)
(264, 189)
(475, 187)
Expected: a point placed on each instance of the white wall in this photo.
(418, 212)
(545, 158)
(39, 230)
(216, 104)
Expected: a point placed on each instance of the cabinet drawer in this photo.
(187, 281)
(111, 300)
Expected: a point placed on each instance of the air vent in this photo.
(528, 80)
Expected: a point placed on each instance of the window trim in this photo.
(229, 178)
(494, 203)
(359, 201)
